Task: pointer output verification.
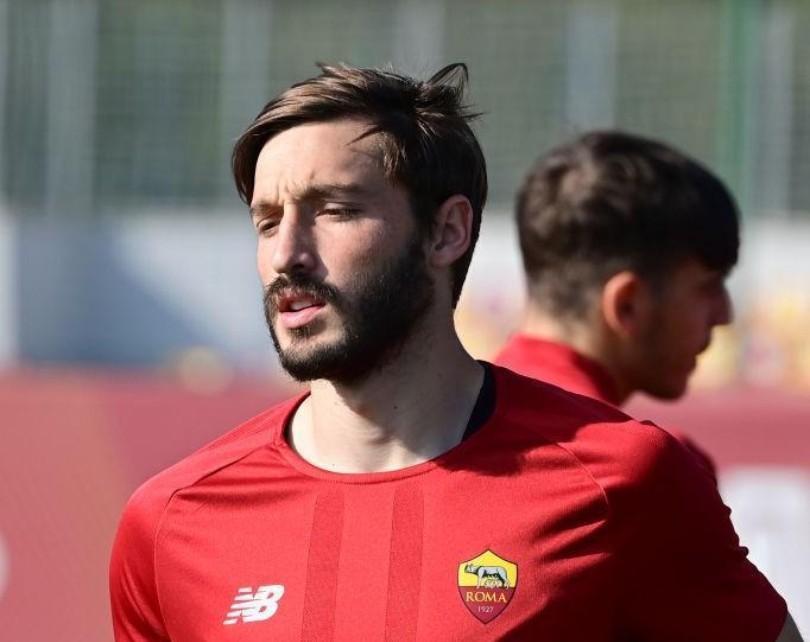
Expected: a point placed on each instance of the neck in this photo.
(588, 338)
(406, 412)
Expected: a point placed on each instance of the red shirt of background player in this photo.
(559, 364)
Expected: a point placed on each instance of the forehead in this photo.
(694, 268)
(690, 272)
(335, 152)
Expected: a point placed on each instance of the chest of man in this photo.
(447, 555)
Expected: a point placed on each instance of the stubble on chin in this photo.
(376, 319)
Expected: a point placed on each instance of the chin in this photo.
(304, 339)
(668, 390)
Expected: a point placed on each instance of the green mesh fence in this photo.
(110, 106)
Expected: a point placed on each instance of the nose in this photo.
(294, 247)
(724, 310)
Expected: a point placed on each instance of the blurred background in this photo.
(131, 329)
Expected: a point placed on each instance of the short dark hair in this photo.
(610, 201)
(428, 147)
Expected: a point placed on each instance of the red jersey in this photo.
(559, 519)
(563, 366)
(559, 364)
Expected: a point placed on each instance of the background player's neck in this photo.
(410, 410)
(587, 337)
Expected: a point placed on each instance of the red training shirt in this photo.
(560, 519)
(561, 365)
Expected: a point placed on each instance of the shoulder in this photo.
(681, 572)
(148, 502)
(136, 608)
(615, 448)
(562, 415)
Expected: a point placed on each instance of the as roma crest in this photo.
(486, 584)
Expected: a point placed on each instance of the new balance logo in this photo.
(254, 607)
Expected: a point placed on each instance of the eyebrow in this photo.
(321, 191)
(314, 192)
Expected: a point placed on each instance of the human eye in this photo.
(340, 212)
(266, 225)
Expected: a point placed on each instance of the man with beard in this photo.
(413, 493)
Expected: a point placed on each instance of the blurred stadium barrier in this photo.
(143, 291)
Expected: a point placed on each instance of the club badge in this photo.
(486, 584)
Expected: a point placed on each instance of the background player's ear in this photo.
(452, 231)
(625, 303)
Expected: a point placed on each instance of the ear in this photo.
(452, 231)
(626, 303)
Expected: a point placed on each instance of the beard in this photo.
(378, 312)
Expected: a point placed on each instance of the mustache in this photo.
(301, 283)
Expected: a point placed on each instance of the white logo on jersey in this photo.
(254, 607)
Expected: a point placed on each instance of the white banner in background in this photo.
(770, 508)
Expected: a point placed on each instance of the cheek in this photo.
(675, 340)
(687, 318)
(360, 252)
(263, 262)
(702, 311)
(345, 255)
(692, 332)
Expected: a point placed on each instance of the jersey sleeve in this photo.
(687, 576)
(703, 458)
(133, 592)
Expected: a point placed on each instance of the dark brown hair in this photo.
(427, 145)
(610, 201)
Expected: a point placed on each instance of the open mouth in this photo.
(297, 308)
